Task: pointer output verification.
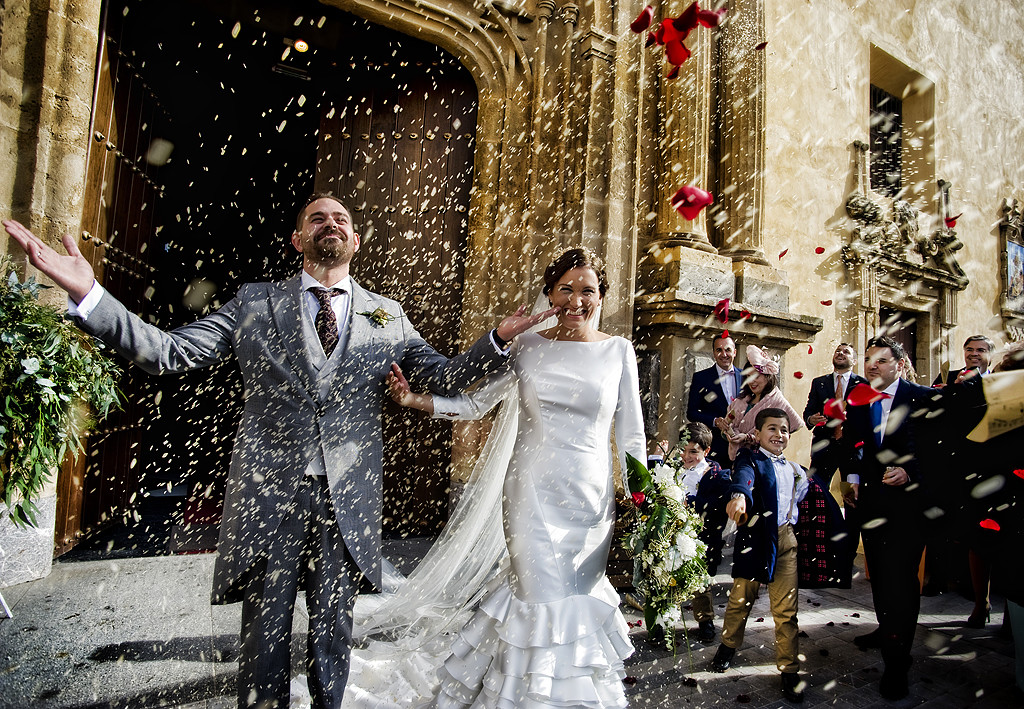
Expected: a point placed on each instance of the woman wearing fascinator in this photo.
(760, 391)
(536, 623)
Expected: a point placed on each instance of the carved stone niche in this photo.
(887, 233)
(1011, 233)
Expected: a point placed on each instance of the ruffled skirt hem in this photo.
(563, 653)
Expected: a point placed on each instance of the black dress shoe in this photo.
(706, 631)
(792, 688)
(723, 658)
(894, 685)
(869, 640)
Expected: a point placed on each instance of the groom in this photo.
(303, 503)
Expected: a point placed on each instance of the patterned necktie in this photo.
(838, 432)
(326, 322)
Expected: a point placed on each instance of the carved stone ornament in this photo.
(1011, 229)
(887, 234)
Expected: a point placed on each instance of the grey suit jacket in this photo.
(295, 410)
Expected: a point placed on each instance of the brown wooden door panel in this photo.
(392, 153)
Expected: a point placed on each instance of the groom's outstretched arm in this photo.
(448, 377)
(196, 345)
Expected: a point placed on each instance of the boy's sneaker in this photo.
(706, 631)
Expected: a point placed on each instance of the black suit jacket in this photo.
(707, 402)
(823, 389)
(950, 377)
(899, 448)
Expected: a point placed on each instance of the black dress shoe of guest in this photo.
(791, 688)
(723, 658)
(894, 684)
(706, 631)
(869, 640)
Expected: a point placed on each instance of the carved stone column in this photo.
(743, 132)
(684, 125)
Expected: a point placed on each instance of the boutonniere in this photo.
(379, 317)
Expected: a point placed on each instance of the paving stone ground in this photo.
(140, 632)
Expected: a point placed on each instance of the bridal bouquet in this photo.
(669, 561)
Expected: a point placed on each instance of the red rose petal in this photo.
(652, 39)
(820, 250)
(826, 302)
(744, 314)
(989, 524)
(629, 680)
(673, 73)
(725, 334)
(759, 47)
(638, 498)
(798, 375)
(833, 409)
(687, 21)
(951, 221)
(858, 444)
(784, 252)
(1019, 473)
(810, 349)
(863, 394)
(711, 18)
(722, 310)
(689, 201)
(643, 20)
(676, 52)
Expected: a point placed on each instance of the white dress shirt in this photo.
(340, 304)
(785, 486)
(854, 478)
(728, 380)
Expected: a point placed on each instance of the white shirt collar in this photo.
(723, 372)
(309, 282)
(891, 389)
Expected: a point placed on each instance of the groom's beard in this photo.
(332, 251)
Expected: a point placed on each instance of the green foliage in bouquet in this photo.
(47, 368)
(669, 561)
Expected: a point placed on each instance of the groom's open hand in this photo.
(518, 322)
(73, 272)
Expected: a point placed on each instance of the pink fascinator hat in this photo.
(759, 360)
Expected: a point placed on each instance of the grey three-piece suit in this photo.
(299, 404)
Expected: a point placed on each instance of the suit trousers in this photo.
(307, 552)
(702, 606)
(892, 552)
(783, 597)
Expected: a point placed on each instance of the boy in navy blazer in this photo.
(765, 490)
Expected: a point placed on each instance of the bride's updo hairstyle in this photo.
(577, 257)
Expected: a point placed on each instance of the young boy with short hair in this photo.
(765, 492)
(706, 486)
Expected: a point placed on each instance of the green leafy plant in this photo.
(48, 368)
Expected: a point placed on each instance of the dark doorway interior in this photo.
(244, 112)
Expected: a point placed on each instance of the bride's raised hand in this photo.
(72, 272)
(402, 394)
(519, 322)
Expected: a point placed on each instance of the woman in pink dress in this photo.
(760, 391)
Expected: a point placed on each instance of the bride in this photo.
(545, 630)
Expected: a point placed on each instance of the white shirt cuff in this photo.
(853, 479)
(494, 343)
(89, 302)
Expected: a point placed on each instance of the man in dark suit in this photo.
(826, 432)
(889, 491)
(977, 357)
(302, 509)
(711, 392)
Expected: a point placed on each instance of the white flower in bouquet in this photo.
(686, 546)
(663, 475)
(671, 616)
(673, 492)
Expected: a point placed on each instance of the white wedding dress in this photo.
(546, 630)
